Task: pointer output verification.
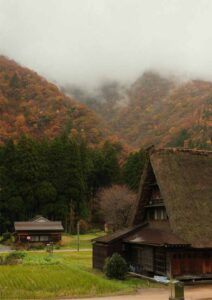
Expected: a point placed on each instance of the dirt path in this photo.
(191, 293)
(4, 249)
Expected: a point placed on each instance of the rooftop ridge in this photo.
(179, 150)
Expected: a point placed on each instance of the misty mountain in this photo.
(157, 110)
(153, 110)
(31, 105)
(107, 98)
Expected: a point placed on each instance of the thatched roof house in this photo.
(174, 207)
(185, 181)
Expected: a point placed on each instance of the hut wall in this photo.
(160, 261)
(103, 250)
(141, 258)
(191, 262)
(41, 237)
(100, 253)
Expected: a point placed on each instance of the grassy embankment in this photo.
(70, 241)
(70, 276)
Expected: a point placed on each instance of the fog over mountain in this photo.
(87, 41)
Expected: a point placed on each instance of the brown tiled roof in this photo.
(120, 234)
(185, 180)
(153, 236)
(39, 224)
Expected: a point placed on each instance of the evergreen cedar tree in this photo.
(133, 168)
(49, 176)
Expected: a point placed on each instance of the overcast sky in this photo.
(86, 41)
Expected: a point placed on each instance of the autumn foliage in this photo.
(160, 111)
(32, 106)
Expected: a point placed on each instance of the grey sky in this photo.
(85, 41)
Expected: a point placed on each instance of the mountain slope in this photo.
(160, 111)
(31, 105)
(166, 113)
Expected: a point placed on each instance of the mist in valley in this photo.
(87, 43)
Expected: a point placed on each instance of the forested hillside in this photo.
(157, 110)
(32, 106)
(57, 177)
(55, 153)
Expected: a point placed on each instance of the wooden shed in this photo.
(38, 229)
(174, 212)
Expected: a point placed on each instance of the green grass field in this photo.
(72, 276)
(70, 241)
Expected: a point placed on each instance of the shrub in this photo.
(84, 226)
(57, 246)
(6, 236)
(1, 260)
(42, 260)
(116, 267)
(14, 257)
(36, 246)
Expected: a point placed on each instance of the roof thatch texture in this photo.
(185, 181)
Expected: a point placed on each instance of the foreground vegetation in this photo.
(67, 275)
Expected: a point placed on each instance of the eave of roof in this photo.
(120, 234)
(156, 237)
(36, 226)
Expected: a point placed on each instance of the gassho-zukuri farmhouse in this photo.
(171, 228)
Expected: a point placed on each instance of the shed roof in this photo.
(185, 181)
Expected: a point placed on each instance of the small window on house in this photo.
(44, 238)
(158, 213)
(35, 238)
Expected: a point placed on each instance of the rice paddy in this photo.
(71, 276)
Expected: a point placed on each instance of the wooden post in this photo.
(78, 237)
(170, 276)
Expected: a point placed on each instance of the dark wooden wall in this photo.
(103, 250)
(196, 262)
(163, 261)
(100, 253)
(152, 260)
(22, 236)
(141, 258)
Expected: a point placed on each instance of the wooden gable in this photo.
(151, 205)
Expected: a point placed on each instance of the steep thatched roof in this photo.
(185, 181)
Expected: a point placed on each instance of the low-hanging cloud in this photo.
(86, 41)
